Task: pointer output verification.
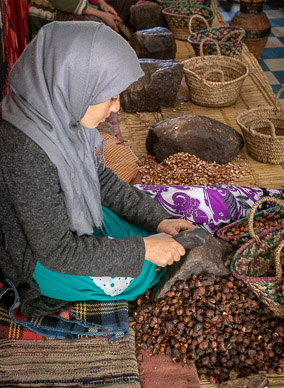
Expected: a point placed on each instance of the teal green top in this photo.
(82, 288)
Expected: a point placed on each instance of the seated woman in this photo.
(43, 12)
(70, 229)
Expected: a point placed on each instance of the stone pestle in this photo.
(204, 254)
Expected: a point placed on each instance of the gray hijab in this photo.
(66, 68)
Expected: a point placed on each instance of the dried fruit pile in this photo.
(185, 169)
(216, 322)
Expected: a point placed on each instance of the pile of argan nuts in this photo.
(185, 169)
(216, 322)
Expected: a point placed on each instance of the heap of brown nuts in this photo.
(216, 322)
(185, 169)
(257, 225)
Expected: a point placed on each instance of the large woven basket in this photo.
(238, 233)
(229, 38)
(263, 130)
(177, 17)
(257, 262)
(214, 80)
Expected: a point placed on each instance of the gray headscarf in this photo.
(66, 68)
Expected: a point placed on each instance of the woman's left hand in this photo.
(173, 227)
(106, 8)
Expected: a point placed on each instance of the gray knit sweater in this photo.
(34, 224)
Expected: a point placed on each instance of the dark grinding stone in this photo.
(259, 380)
(207, 255)
(206, 138)
(144, 16)
(156, 89)
(155, 43)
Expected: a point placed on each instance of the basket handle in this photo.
(253, 209)
(197, 17)
(270, 123)
(208, 72)
(276, 101)
(209, 40)
(278, 265)
(241, 34)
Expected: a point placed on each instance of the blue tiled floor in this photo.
(272, 57)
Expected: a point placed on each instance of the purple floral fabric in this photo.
(211, 207)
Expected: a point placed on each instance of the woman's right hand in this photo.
(110, 19)
(161, 249)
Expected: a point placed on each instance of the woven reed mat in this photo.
(65, 363)
(160, 372)
(255, 92)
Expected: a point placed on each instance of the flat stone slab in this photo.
(155, 43)
(204, 254)
(156, 89)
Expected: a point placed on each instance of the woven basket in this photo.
(237, 233)
(214, 80)
(263, 130)
(256, 263)
(177, 17)
(169, 3)
(230, 39)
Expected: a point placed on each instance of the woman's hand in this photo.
(175, 226)
(161, 249)
(110, 19)
(106, 8)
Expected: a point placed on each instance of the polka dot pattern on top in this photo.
(112, 285)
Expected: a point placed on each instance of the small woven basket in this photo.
(214, 80)
(263, 130)
(237, 233)
(230, 39)
(177, 17)
(256, 262)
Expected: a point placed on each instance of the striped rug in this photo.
(91, 362)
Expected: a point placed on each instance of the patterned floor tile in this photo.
(274, 14)
(277, 22)
(274, 42)
(277, 31)
(276, 88)
(273, 52)
(275, 64)
(263, 65)
(279, 75)
(271, 78)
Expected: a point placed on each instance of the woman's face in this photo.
(95, 114)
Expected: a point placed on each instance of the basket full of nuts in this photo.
(259, 263)
(237, 233)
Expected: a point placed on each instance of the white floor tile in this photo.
(273, 42)
(275, 64)
(274, 14)
(278, 31)
(271, 78)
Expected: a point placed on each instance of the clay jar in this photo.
(256, 24)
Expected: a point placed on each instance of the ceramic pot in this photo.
(256, 24)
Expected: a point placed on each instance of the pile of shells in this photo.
(185, 169)
(218, 323)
